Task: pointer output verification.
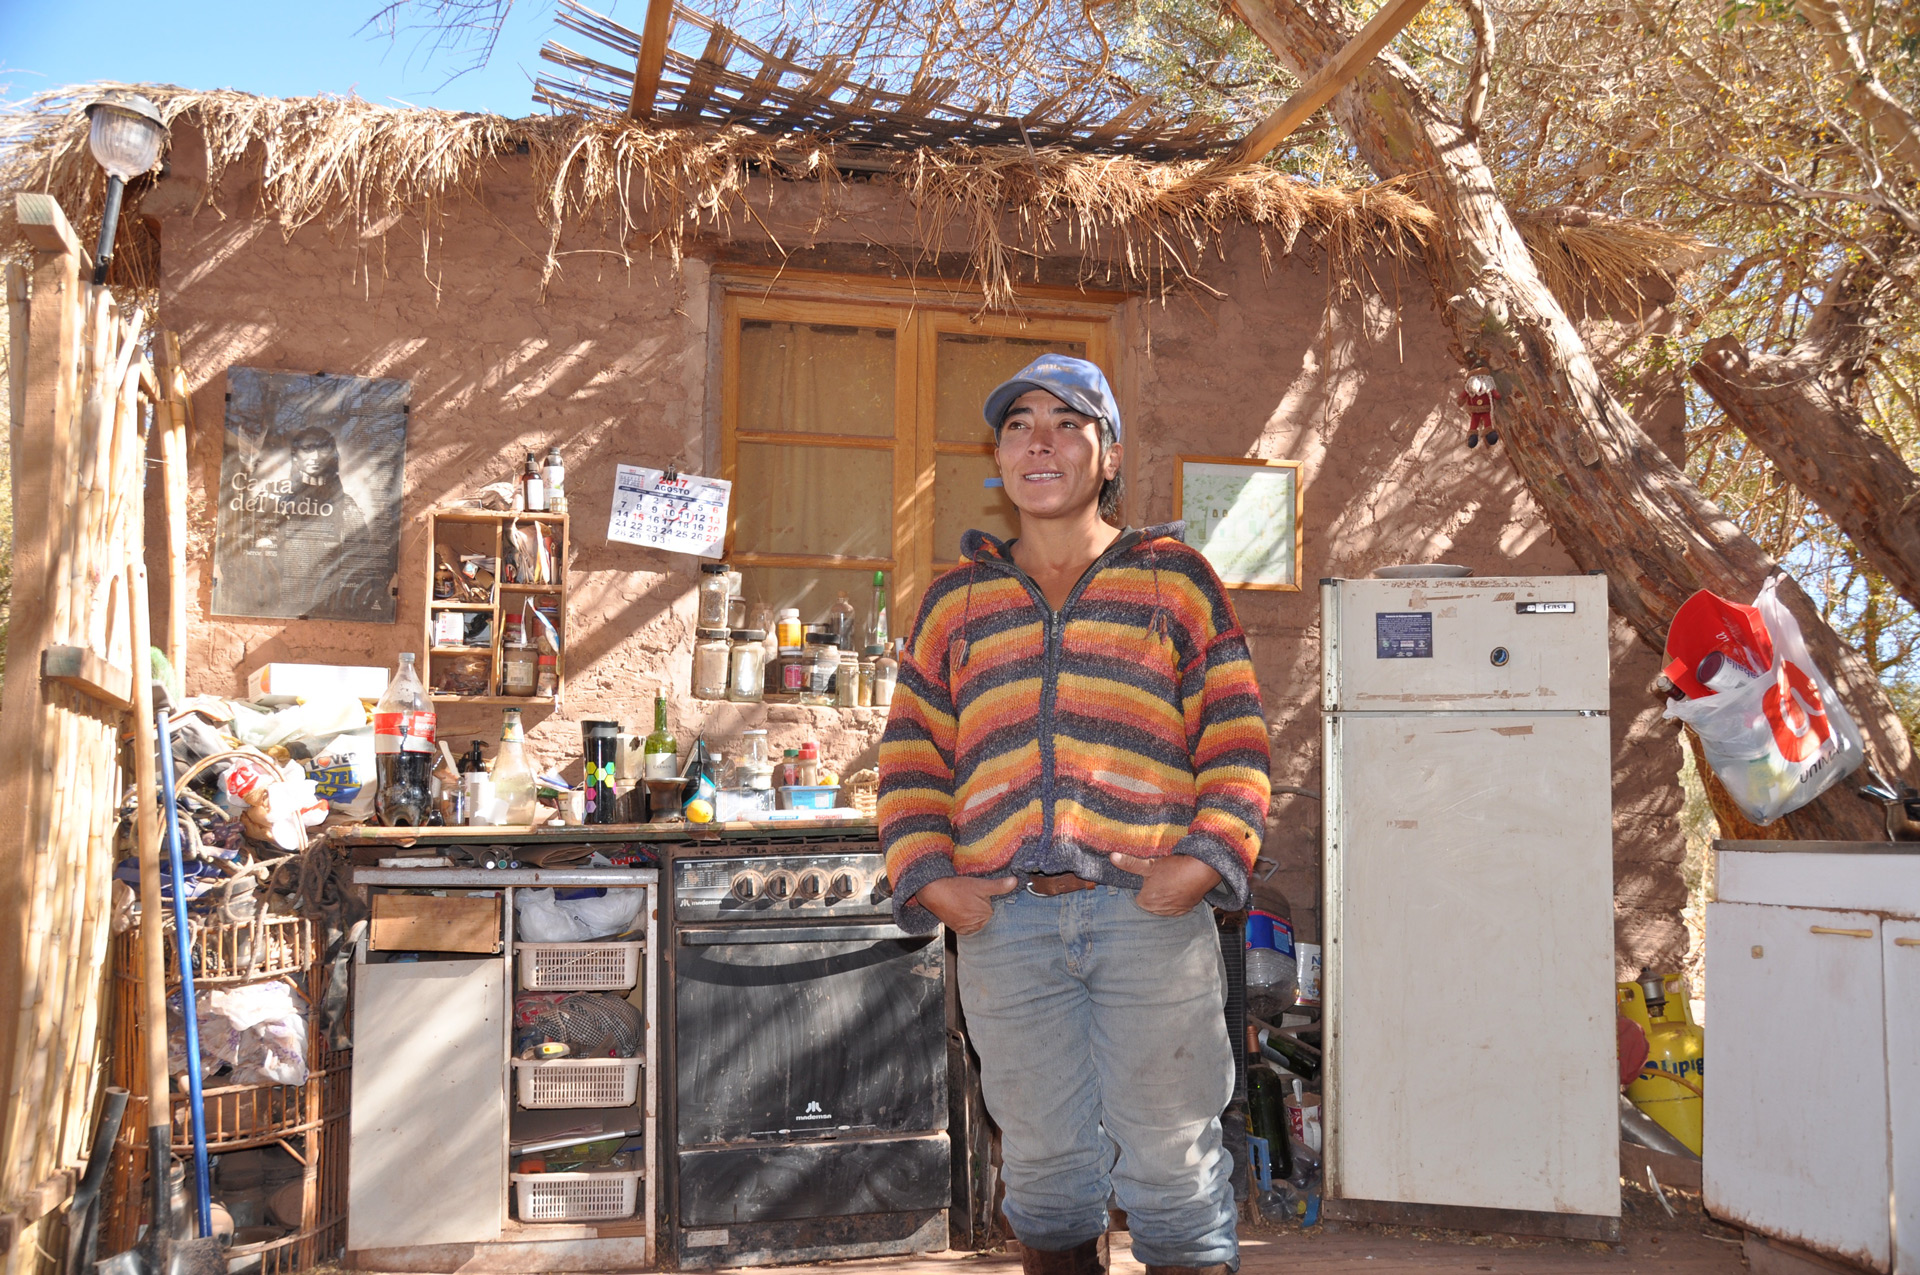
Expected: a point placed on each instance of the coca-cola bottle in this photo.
(403, 750)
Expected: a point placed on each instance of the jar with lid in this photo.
(713, 596)
(789, 630)
(519, 670)
(736, 601)
(867, 661)
(791, 670)
(846, 683)
(826, 666)
(807, 768)
(710, 660)
(886, 674)
(754, 768)
(789, 767)
(747, 680)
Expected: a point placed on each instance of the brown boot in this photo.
(1082, 1259)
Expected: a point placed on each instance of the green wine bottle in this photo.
(660, 754)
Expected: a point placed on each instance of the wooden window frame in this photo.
(1089, 319)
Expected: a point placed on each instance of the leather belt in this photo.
(1053, 883)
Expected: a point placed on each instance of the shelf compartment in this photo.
(578, 967)
(577, 1197)
(577, 1082)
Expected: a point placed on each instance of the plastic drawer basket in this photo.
(577, 1197)
(577, 1082)
(579, 967)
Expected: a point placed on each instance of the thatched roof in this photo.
(343, 162)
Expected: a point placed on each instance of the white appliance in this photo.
(1469, 976)
(1813, 1048)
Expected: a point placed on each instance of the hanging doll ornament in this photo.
(1478, 398)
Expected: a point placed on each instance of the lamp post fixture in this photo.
(125, 134)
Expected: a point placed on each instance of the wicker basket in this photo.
(862, 791)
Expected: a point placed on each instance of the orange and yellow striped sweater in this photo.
(1024, 740)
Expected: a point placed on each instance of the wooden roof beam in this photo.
(653, 57)
(1324, 83)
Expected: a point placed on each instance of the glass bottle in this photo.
(710, 658)
(747, 676)
(876, 634)
(403, 725)
(886, 674)
(713, 596)
(512, 776)
(660, 754)
(840, 621)
(555, 472)
(534, 485)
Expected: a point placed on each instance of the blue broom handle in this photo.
(190, 1014)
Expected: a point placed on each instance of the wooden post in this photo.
(40, 459)
(173, 413)
(153, 940)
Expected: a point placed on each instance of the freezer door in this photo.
(1469, 963)
(1520, 644)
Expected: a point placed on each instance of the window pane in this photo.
(816, 378)
(967, 369)
(812, 590)
(962, 502)
(791, 499)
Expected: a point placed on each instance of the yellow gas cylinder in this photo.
(1671, 1085)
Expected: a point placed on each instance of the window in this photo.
(853, 437)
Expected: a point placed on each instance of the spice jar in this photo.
(713, 596)
(789, 629)
(549, 675)
(826, 665)
(807, 769)
(791, 669)
(519, 670)
(789, 767)
(710, 659)
(746, 682)
(846, 683)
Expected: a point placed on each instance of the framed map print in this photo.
(1243, 515)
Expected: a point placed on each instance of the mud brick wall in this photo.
(613, 358)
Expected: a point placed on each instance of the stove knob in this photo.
(882, 888)
(780, 885)
(844, 884)
(811, 885)
(747, 886)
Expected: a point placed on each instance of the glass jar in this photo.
(886, 673)
(710, 659)
(519, 670)
(755, 767)
(788, 681)
(549, 675)
(826, 666)
(846, 683)
(713, 596)
(747, 680)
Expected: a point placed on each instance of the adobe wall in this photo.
(613, 361)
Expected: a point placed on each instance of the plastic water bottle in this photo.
(1272, 976)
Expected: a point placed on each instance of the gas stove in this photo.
(786, 887)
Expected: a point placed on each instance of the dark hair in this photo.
(1112, 490)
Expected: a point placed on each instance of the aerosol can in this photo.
(1672, 1084)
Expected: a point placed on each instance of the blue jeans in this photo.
(1104, 1059)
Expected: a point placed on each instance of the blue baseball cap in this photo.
(1077, 383)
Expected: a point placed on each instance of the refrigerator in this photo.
(1470, 1075)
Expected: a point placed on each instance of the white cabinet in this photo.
(1813, 1051)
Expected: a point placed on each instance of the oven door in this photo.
(787, 1032)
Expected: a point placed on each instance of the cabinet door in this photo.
(1902, 957)
(1796, 1077)
(429, 1122)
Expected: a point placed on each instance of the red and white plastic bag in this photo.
(1769, 722)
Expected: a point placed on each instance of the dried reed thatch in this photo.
(346, 163)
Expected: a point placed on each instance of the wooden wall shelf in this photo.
(507, 601)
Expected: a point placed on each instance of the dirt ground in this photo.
(1689, 1243)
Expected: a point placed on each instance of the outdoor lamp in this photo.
(125, 135)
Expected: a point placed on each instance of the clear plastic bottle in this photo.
(403, 732)
(513, 783)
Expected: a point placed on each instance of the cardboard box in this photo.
(429, 923)
(285, 683)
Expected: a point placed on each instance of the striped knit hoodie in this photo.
(1023, 740)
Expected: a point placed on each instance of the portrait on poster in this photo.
(310, 489)
(1243, 515)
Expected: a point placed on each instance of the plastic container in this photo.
(788, 629)
(814, 797)
(578, 967)
(577, 1197)
(577, 1082)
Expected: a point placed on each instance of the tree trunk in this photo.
(1800, 409)
(1618, 503)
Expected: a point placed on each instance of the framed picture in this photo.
(1243, 515)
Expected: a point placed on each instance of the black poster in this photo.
(310, 483)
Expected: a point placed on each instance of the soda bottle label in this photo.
(397, 732)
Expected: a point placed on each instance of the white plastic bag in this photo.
(257, 1029)
(545, 919)
(1781, 739)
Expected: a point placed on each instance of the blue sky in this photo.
(278, 48)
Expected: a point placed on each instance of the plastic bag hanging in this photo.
(1769, 722)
